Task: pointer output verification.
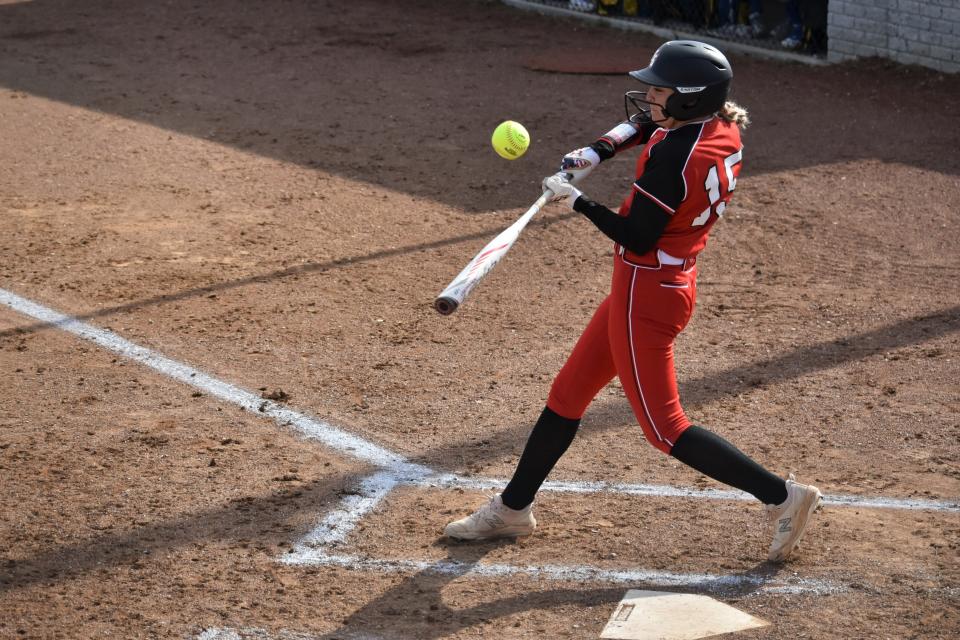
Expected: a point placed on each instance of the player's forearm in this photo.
(624, 136)
(637, 232)
(604, 149)
(579, 163)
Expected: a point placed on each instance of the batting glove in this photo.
(561, 188)
(579, 163)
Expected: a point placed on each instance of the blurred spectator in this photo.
(692, 11)
(807, 24)
(795, 20)
(609, 7)
(617, 7)
(805, 27)
(728, 19)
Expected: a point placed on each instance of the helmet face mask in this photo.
(637, 107)
(698, 73)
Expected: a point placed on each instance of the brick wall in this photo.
(924, 32)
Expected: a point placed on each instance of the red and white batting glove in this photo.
(579, 163)
(561, 188)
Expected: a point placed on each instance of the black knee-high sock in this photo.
(713, 456)
(547, 443)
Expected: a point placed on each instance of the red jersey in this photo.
(690, 172)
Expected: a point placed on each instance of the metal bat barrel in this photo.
(460, 287)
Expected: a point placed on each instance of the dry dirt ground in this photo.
(274, 192)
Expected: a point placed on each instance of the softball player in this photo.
(686, 174)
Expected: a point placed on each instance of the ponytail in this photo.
(732, 112)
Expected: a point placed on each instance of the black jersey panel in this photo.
(638, 231)
(662, 179)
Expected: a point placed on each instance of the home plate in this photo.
(664, 615)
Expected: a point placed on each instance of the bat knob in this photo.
(445, 306)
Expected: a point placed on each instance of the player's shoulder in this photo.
(722, 128)
(684, 144)
(711, 139)
(675, 145)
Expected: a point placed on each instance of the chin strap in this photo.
(641, 114)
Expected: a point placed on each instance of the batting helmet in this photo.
(698, 73)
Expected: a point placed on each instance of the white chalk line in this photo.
(334, 528)
(250, 633)
(310, 428)
(219, 634)
(717, 583)
(670, 491)
(314, 549)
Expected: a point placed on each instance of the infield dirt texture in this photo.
(274, 192)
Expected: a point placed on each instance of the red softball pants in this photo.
(631, 336)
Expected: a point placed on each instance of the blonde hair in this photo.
(732, 112)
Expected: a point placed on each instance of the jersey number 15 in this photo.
(718, 201)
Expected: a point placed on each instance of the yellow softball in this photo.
(510, 140)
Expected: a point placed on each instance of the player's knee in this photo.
(562, 406)
(664, 437)
(658, 442)
(567, 398)
(555, 419)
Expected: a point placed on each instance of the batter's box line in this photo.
(317, 548)
(334, 528)
(701, 582)
(251, 633)
(670, 491)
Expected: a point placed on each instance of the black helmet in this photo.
(698, 73)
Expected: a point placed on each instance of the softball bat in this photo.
(456, 292)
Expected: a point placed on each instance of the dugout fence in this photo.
(797, 27)
(920, 32)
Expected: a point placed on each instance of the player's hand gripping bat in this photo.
(482, 263)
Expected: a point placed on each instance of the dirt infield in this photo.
(273, 192)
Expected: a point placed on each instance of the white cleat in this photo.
(789, 519)
(493, 520)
